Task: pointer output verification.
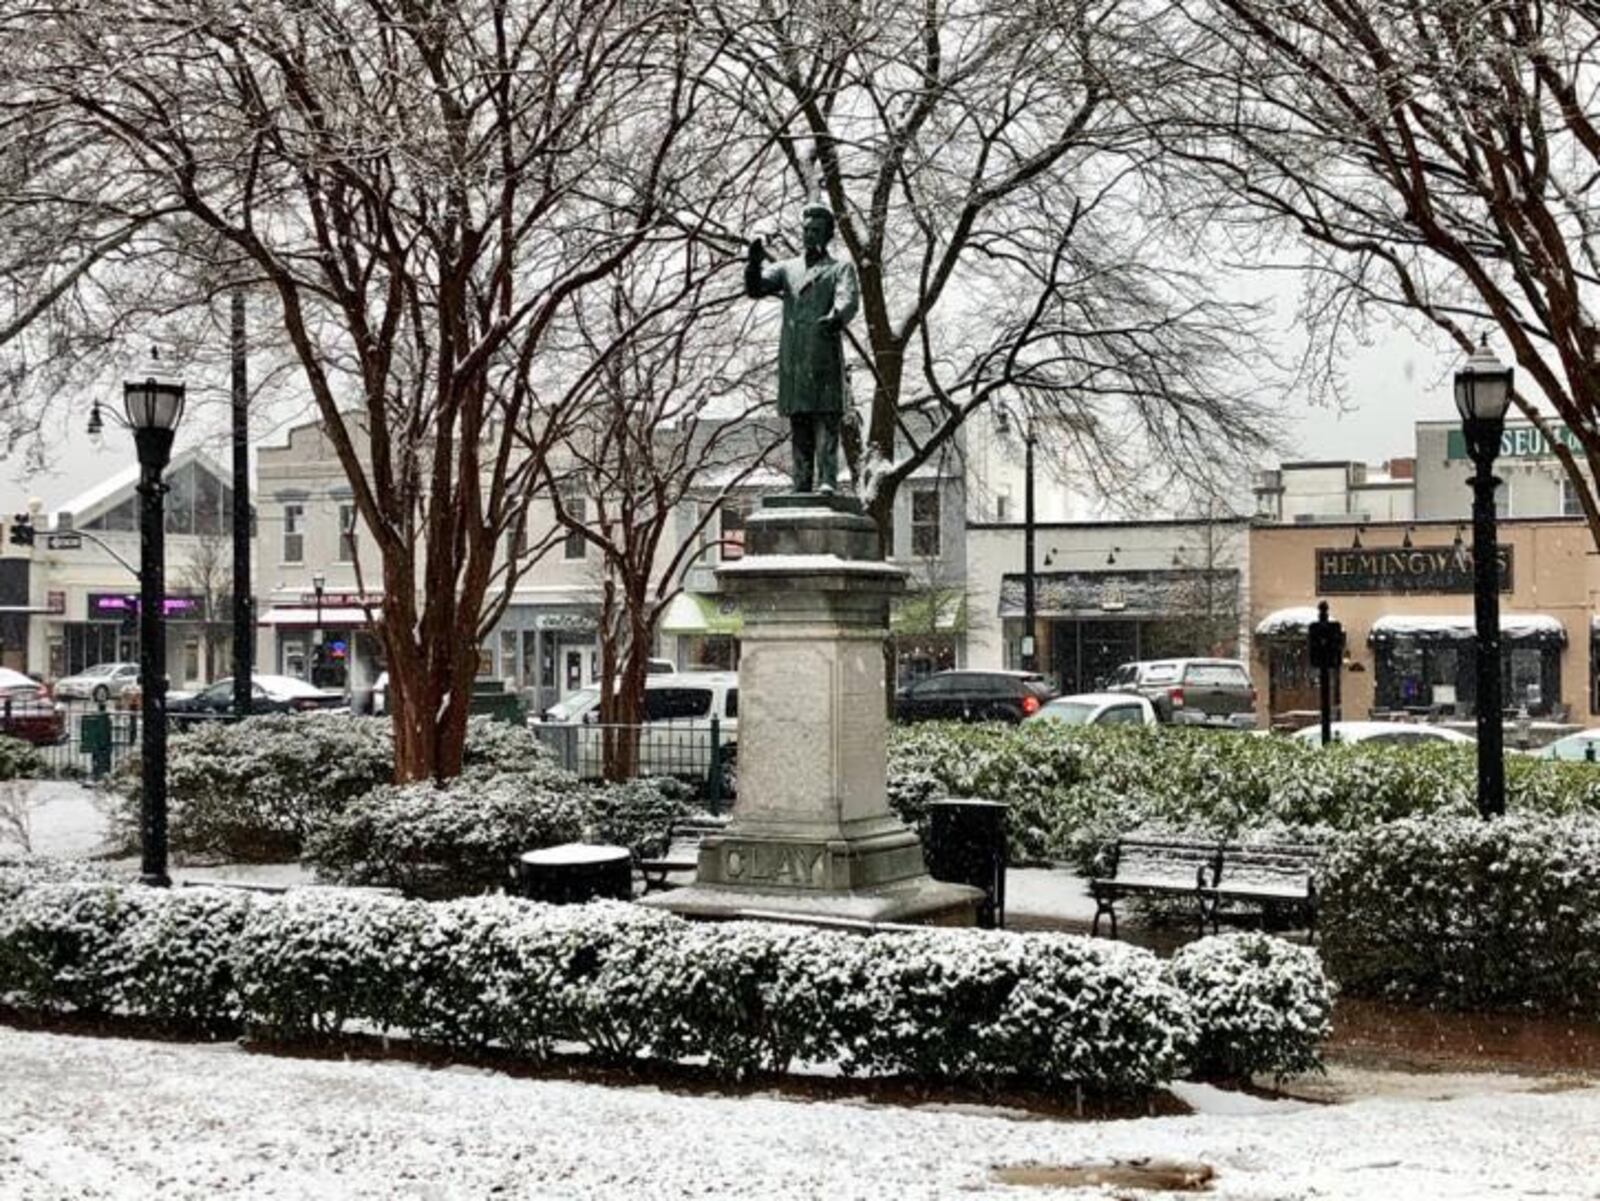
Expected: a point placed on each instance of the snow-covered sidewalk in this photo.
(111, 1118)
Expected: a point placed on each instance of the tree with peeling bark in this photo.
(425, 192)
(658, 440)
(1008, 228)
(1433, 157)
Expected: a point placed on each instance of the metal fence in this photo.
(700, 753)
(95, 738)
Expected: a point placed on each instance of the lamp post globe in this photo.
(153, 409)
(1483, 389)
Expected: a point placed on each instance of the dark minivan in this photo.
(973, 696)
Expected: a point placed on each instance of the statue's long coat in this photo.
(810, 357)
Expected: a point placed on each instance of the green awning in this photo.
(702, 613)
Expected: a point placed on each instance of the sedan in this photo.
(973, 696)
(26, 711)
(269, 694)
(1097, 709)
(1582, 747)
(101, 682)
(1385, 733)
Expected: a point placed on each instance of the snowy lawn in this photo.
(110, 1118)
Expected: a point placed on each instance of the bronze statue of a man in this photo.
(820, 295)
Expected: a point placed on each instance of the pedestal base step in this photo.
(918, 901)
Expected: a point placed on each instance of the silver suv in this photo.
(1192, 691)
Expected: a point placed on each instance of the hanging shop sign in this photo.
(1393, 569)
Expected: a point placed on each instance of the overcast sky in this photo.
(1396, 381)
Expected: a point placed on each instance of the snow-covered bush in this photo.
(252, 790)
(312, 961)
(628, 982)
(1073, 788)
(1047, 1007)
(1467, 913)
(637, 814)
(1261, 1005)
(445, 842)
(18, 872)
(174, 958)
(56, 942)
(19, 760)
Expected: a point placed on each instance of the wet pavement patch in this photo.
(1152, 1175)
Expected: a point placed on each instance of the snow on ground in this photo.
(65, 820)
(112, 1118)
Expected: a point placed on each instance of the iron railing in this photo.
(700, 753)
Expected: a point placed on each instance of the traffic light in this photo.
(22, 530)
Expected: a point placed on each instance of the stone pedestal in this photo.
(812, 836)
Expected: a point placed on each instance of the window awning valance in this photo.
(1514, 627)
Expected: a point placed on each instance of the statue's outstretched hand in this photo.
(830, 323)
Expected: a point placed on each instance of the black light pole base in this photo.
(1486, 606)
(155, 449)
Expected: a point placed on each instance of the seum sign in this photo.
(1390, 569)
(1518, 442)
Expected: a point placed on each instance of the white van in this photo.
(676, 737)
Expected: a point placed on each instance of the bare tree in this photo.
(425, 190)
(1432, 156)
(207, 573)
(658, 440)
(1008, 230)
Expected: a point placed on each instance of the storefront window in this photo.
(1437, 676)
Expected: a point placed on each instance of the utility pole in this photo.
(243, 599)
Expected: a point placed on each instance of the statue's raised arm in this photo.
(820, 296)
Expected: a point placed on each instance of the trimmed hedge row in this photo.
(1468, 913)
(1072, 789)
(982, 1007)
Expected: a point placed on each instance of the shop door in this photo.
(1103, 647)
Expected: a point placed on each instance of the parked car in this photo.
(1097, 709)
(1582, 747)
(268, 694)
(676, 735)
(1384, 733)
(1191, 691)
(102, 682)
(27, 712)
(973, 696)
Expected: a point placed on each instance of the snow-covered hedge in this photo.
(253, 790)
(985, 1007)
(1074, 788)
(1467, 913)
(1262, 1005)
(459, 840)
(18, 759)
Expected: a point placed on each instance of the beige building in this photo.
(1403, 592)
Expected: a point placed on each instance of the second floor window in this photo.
(1570, 505)
(294, 537)
(925, 522)
(575, 546)
(347, 533)
(732, 518)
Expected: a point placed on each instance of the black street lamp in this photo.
(1483, 393)
(153, 408)
(319, 581)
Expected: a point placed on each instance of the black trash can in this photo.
(574, 873)
(967, 845)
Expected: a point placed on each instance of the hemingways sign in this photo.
(1395, 569)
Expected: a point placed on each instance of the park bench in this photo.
(1224, 880)
(1153, 867)
(1265, 878)
(680, 849)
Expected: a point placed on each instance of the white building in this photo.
(80, 579)
(1307, 492)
